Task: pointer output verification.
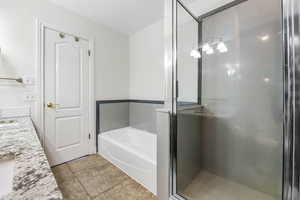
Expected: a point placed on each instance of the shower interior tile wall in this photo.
(113, 116)
(241, 141)
(143, 116)
(124, 114)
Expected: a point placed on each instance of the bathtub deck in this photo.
(93, 177)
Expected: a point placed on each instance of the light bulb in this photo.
(195, 54)
(206, 47)
(265, 37)
(231, 72)
(222, 47)
(210, 51)
(267, 80)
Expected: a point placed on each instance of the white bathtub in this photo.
(133, 151)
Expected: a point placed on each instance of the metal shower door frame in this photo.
(291, 93)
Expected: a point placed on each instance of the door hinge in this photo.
(89, 136)
(89, 52)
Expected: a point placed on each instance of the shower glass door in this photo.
(229, 115)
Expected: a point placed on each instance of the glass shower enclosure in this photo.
(234, 128)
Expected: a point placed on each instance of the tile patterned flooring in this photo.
(94, 178)
(207, 186)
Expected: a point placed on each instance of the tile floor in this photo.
(94, 178)
(207, 186)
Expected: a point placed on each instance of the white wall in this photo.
(147, 59)
(147, 63)
(18, 44)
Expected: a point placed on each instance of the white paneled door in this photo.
(66, 97)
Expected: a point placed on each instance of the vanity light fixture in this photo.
(210, 51)
(222, 47)
(195, 53)
(206, 47)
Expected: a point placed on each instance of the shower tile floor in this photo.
(93, 177)
(207, 186)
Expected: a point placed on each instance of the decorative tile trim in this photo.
(146, 101)
(130, 101)
(112, 101)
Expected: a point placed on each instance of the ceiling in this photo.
(126, 16)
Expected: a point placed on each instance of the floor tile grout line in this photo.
(74, 172)
(128, 177)
(75, 176)
(83, 187)
(120, 183)
(112, 187)
(78, 179)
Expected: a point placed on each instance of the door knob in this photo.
(52, 105)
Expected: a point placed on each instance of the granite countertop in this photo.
(33, 178)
